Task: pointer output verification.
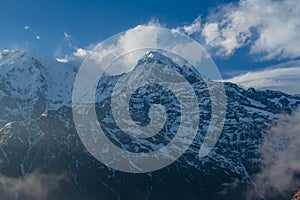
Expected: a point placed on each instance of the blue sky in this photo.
(241, 36)
(86, 21)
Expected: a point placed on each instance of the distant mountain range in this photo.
(37, 133)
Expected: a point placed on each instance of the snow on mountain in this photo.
(249, 114)
(30, 85)
(35, 96)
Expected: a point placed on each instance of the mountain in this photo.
(38, 133)
(30, 85)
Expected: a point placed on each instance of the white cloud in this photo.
(226, 39)
(133, 38)
(67, 35)
(151, 36)
(26, 27)
(38, 37)
(33, 186)
(280, 159)
(81, 53)
(283, 77)
(195, 27)
(62, 60)
(129, 40)
(271, 28)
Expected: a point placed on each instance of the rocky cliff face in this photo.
(296, 196)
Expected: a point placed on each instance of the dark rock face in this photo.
(296, 196)
(48, 142)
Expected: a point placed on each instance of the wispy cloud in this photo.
(34, 186)
(81, 53)
(190, 29)
(26, 27)
(62, 60)
(67, 35)
(283, 77)
(280, 159)
(65, 47)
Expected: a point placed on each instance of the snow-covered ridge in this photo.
(154, 57)
(31, 84)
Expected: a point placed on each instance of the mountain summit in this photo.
(156, 57)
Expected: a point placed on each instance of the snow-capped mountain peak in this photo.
(31, 84)
(156, 57)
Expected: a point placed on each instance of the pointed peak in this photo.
(156, 57)
(154, 54)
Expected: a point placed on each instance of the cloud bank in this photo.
(283, 77)
(268, 28)
(271, 28)
(280, 159)
(34, 186)
(133, 43)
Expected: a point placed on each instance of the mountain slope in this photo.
(29, 85)
(45, 138)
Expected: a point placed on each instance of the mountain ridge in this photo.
(48, 140)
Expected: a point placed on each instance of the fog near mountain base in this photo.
(229, 187)
(280, 164)
(34, 186)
